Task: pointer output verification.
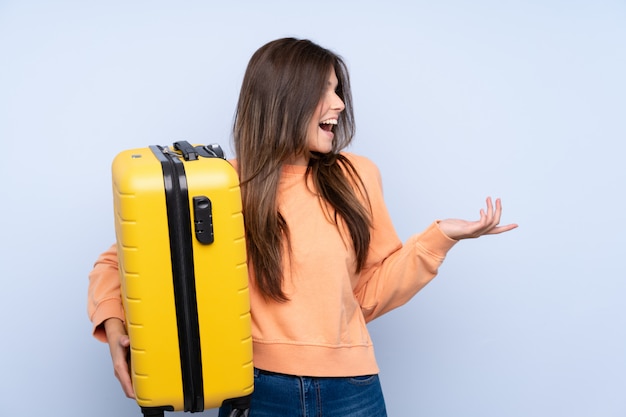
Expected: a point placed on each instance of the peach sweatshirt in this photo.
(322, 330)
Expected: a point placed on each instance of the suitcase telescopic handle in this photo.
(213, 150)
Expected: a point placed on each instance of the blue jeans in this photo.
(277, 395)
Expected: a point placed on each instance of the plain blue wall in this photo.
(454, 101)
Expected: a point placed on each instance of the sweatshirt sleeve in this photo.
(104, 298)
(394, 272)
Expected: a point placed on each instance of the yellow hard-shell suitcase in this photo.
(181, 245)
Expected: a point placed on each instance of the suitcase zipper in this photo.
(181, 250)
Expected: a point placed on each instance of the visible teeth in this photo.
(329, 122)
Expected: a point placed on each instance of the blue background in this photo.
(454, 101)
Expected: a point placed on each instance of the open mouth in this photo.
(328, 125)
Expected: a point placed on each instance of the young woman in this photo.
(323, 255)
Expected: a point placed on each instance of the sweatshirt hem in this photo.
(315, 360)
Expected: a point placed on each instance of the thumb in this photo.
(124, 341)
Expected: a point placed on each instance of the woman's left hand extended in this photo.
(486, 225)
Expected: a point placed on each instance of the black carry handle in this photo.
(191, 153)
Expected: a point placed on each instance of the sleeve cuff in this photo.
(107, 309)
(435, 241)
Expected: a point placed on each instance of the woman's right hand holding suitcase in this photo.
(119, 344)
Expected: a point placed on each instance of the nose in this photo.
(337, 103)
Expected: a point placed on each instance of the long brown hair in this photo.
(282, 86)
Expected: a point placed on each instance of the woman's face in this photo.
(320, 132)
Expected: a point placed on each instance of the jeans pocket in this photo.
(363, 379)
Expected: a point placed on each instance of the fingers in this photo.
(502, 229)
(122, 373)
(487, 220)
(498, 212)
(120, 366)
(490, 219)
(125, 341)
(119, 345)
(486, 225)
(489, 208)
(495, 219)
(493, 216)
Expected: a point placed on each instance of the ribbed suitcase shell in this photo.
(221, 283)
